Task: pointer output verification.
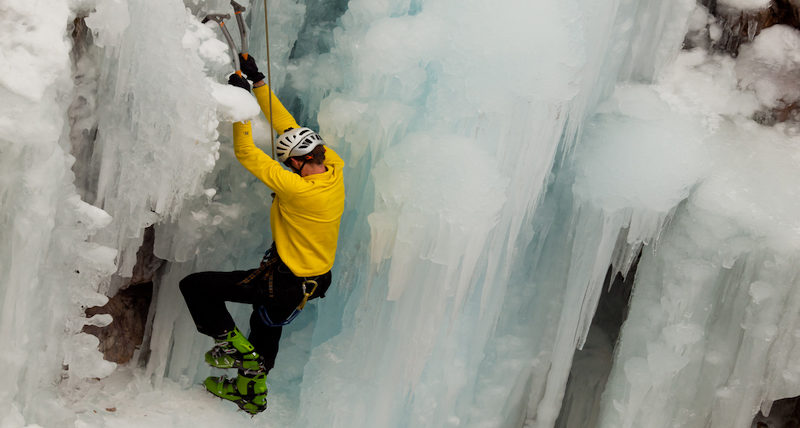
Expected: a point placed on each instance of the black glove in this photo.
(249, 68)
(239, 81)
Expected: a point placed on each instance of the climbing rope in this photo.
(269, 79)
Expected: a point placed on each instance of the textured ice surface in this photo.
(500, 157)
(156, 134)
(47, 269)
(715, 294)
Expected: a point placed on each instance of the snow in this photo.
(493, 177)
(234, 104)
(28, 65)
(125, 399)
(638, 153)
(769, 66)
(746, 4)
(202, 39)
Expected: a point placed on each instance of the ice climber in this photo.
(304, 219)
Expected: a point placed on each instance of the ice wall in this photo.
(48, 271)
(105, 105)
(156, 130)
(500, 157)
(702, 320)
(465, 378)
(712, 311)
(450, 134)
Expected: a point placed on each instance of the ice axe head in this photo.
(237, 7)
(219, 18)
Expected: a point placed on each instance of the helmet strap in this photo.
(299, 171)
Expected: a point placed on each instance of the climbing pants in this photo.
(206, 293)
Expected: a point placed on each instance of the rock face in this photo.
(784, 414)
(129, 307)
(741, 26)
(146, 262)
(120, 339)
(769, 117)
(722, 29)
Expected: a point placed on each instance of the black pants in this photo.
(206, 293)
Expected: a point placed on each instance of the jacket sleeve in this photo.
(332, 158)
(283, 182)
(281, 119)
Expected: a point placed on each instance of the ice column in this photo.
(156, 136)
(714, 311)
(459, 128)
(48, 272)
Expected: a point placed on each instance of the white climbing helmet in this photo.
(296, 142)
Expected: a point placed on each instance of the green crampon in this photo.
(249, 393)
(235, 352)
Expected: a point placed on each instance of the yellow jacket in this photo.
(306, 211)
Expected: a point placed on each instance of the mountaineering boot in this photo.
(248, 392)
(233, 350)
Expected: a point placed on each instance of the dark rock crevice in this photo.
(591, 365)
(741, 26)
(120, 339)
(129, 307)
(784, 413)
(728, 29)
(82, 111)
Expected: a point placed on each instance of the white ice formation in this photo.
(505, 160)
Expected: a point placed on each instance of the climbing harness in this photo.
(262, 311)
(220, 18)
(266, 266)
(269, 263)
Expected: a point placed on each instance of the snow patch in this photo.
(34, 50)
(638, 153)
(770, 66)
(202, 39)
(234, 104)
(746, 4)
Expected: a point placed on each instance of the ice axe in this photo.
(220, 18)
(238, 9)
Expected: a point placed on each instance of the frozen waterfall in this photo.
(512, 166)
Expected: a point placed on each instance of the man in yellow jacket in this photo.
(304, 220)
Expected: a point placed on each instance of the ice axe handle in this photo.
(220, 19)
(232, 46)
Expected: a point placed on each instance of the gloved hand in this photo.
(249, 68)
(239, 81)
